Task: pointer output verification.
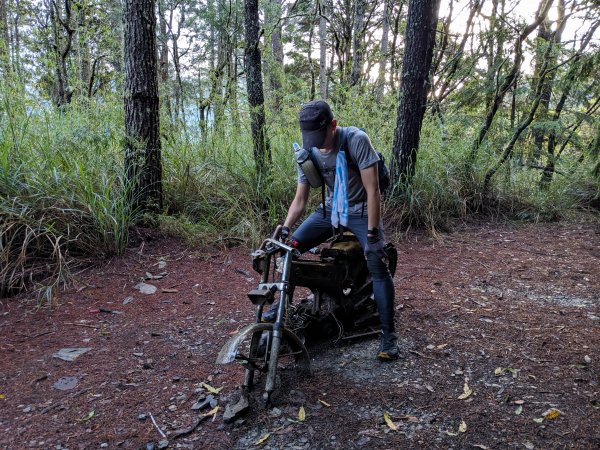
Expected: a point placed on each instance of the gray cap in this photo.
(314, 117)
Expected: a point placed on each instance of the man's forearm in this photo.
(293, 215)
(374, 209)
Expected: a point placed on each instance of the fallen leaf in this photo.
(552, 413)
(88, 416)
(211, 389)
(2, 396)
(429, 387)
(323, 402)
(482, 447)
(450, 433)
(169, 291)
(441, 346)
(262, 439)
(538, 419)
(301, 414)
(212, 412)
(519, 410)
(466, 392)
(462, 427)
(519, 402)
(410, 418)
(514, 372)
(498, 371)
(392, 425)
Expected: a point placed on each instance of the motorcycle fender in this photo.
(230, 349)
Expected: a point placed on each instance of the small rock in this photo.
(127, 300)
(587, 359)
(234, 410)
(104, 445)
(176, 379)
(27, 409)
(172, 408)
(66, 383)
(142, 416)
(275, 412)
(163, 444)
(138, 354)
(150, 446)
(70, 354)
(145, 288)
(203, 403)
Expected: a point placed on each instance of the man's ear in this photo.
(333, 124)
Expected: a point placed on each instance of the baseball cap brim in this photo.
(314, 138)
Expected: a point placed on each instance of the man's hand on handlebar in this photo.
(284, 234)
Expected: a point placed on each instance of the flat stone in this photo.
(202, 403)
(145, 288)
(163, 444)
(71, 354)
(66, 383)
(234, 410)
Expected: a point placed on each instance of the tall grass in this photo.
(62, 192)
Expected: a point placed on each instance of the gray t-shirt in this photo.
(359, 152)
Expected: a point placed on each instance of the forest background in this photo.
(503, 120)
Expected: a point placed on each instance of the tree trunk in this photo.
(62, 48)
(384, 50)
(142, 149)
(507, 152)
(412, 97)
(357, 43)
(546, 38)
(83, 49)
(4, 38)
(254, 86)
(508, 81)
(274, 61)
(393, 62)
(323, 49)
(311, 66)
(163, 62)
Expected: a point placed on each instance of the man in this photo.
(358, 167)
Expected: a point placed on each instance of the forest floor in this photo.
(505, 317)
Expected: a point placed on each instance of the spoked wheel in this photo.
(263, 351)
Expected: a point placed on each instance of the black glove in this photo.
(284, 234)
(375, 244)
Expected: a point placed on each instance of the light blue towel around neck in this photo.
(339, 202)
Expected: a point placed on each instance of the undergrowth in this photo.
(62, 191)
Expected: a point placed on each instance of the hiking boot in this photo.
(388, 348)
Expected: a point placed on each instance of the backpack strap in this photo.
(314, 158)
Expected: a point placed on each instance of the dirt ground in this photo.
(500, 338)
